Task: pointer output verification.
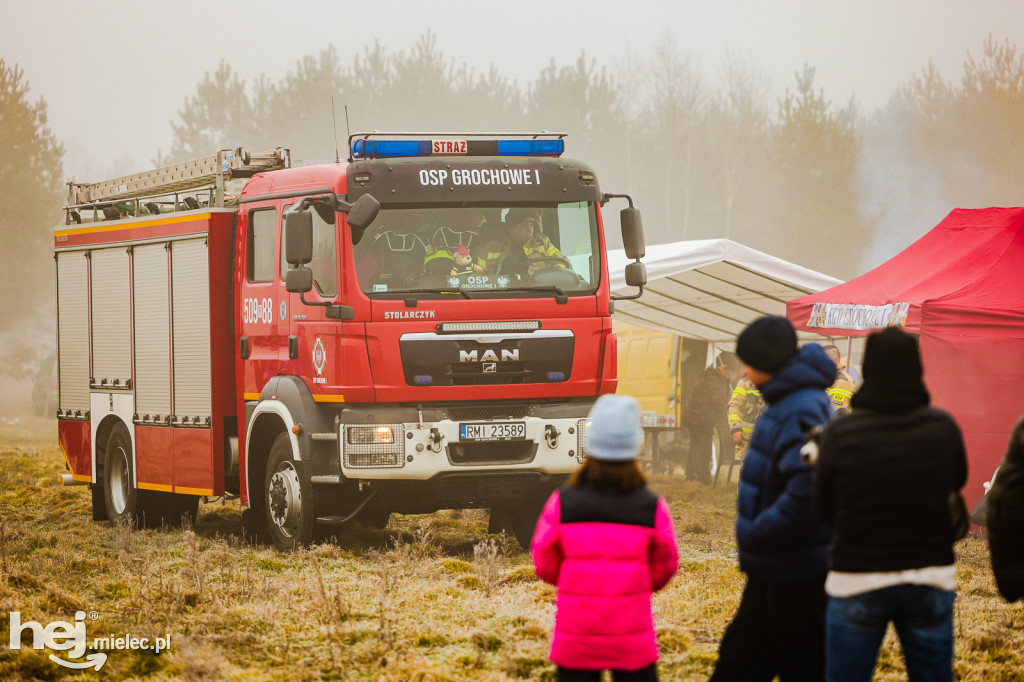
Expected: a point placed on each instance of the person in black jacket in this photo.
(1004, 517)
(884, 478)
(706, 409)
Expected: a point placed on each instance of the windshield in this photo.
(527, 249)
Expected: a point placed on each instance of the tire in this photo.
(99, 505)
(288, 496)
(375, 518)
(157, 509)
(254, 524)
(524, 521)
(120, 496)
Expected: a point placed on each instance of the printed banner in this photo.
(854, 316)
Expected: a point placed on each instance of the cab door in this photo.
(262, 304)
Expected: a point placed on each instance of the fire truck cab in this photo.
(424, 326)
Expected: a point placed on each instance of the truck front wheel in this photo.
(288, 495)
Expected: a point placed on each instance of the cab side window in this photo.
(261, 247)
(325, 255)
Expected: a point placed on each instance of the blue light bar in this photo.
(531, 147)
(376, 149)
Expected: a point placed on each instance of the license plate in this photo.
(492, 431)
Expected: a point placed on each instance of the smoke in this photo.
(901, 196)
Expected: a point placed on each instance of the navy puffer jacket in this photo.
(778, 536)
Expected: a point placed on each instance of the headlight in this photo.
(381, 434)
(372, 446)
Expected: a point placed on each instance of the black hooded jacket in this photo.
(885, 472)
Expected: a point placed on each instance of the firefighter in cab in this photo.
(524, 248)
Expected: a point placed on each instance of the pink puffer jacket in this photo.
(606, 552)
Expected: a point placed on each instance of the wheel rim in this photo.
(119, 481)
(284, 499)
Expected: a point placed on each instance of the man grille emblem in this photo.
(490, 367)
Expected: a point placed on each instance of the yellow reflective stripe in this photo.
(159, 487)
(734, 417)
(193, 491)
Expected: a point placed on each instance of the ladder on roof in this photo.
(208, 173)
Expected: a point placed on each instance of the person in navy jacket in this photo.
(779, 627)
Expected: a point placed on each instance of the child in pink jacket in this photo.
(607, 542)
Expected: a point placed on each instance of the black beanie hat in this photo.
(767, 344)
(893, 374)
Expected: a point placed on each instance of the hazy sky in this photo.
(115, 73)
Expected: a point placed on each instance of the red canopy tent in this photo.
(961, 288)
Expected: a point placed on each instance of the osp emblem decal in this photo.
(319, 356)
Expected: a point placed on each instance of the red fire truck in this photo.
(337, 341)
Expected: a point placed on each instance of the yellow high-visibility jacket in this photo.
(841, 391)
(538, 253)
(744, 407)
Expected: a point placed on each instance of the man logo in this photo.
(507, 355)
(490, 367)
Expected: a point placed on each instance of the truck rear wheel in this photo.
(519, 519)
(158, 508)
(288, 494)
(119, 494)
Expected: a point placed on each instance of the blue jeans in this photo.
(923, 617)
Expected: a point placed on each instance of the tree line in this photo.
(798, 175)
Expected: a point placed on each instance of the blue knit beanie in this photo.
(615, 433)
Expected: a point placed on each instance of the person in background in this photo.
(888, 476)
(841, 391)
(1004, 517)
(705, 410)
(745, 407)
(779, 627)
(607, 542)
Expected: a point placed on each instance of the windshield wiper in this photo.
(560, 295)
(448, 290)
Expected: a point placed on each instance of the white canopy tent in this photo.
(711, 289)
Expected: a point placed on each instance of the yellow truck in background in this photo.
(659, 369)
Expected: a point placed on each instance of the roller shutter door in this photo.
(191, 329)
(151, 299)
(73, 331)
(111, 317)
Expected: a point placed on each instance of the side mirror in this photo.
(298, 280)
(636, 274)
(632, 233)
(298, 237)
(363, 211)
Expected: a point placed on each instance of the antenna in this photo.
(334, 117)
(348, 128)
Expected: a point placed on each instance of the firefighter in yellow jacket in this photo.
(744, 408)
(523, 250)
(842, 390)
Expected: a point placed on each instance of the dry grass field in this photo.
(427, 598)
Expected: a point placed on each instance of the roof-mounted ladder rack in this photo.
(210, 173)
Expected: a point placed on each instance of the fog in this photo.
(117, 76)
(114, 73)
